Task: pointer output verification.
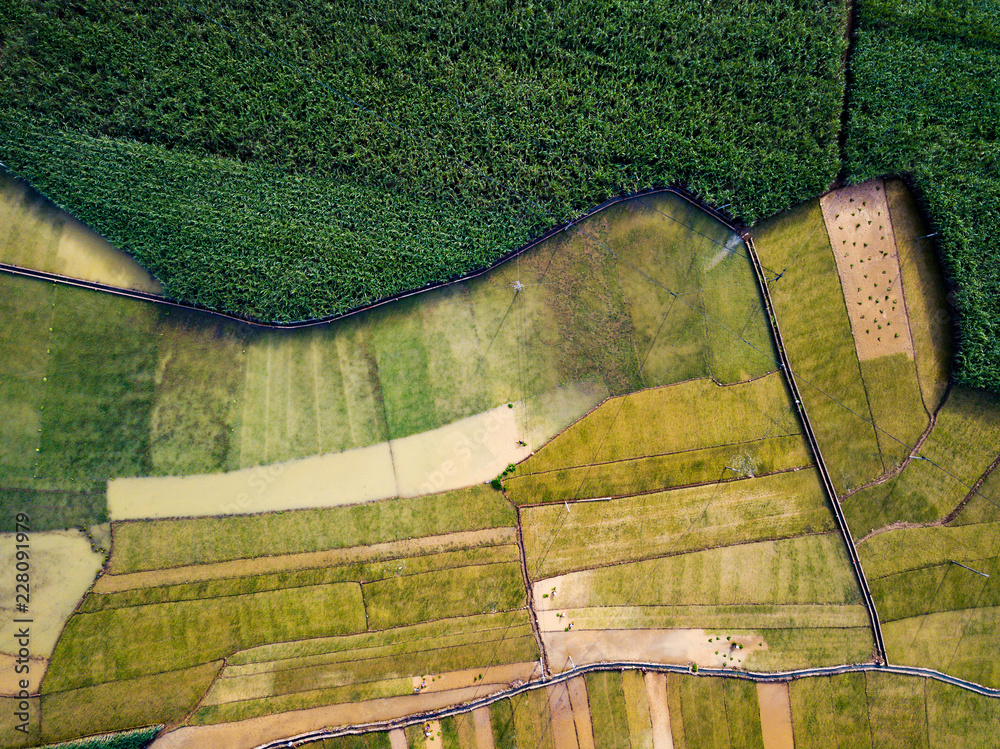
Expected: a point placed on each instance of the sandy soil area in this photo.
(84, 254)
(41, 237)
(310, 560)
(775, 715)
(245, 734)
(397, 739)
(505, 674)
(581, 712)
(62, 568)
(659, 711)
(10, 680)
(857, 220)
(484, 728)
(330, 480)
(469, 451)
(561, 713)
(432, 734)
(466, 452)
(679, 646)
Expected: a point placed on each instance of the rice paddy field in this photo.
(96, 387)
(630, 710)
(870, 401)
(412, 600)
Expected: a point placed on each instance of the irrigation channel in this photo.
(881, 660)
(821, 464)
(755, 676)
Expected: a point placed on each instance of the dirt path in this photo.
(561, 712)
(484, 728)
(659, 712)
(397, 739)
(864, 246)
(581, 712)
(246, 734)
(775, 715)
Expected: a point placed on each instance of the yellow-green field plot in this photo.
(934, 612)
(595, 534)
(300, 610)
(691, 433)
(37, 235)
(97, 388)
(882, 710)
(860, 303)
(959, 451)
(800, 607)
(812, 318)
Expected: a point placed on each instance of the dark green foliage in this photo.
(245, 181)
(53, 508)
(364, 741)
(926, 102)
(137, 739)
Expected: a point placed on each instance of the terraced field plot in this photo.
(301, 628)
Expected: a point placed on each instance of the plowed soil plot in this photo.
(857, 220)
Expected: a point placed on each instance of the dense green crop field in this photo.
(925, 101)
(375, 147)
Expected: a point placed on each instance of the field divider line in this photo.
(753, 441)
(536, 629)
(889, 475)
(316, 566)
(973, 491)
(468, 632)
(821, 464)
(753, 676)
(582, 500)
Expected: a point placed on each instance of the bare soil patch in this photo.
(63, 567)
(676, 646)
(659, 712)
(10, 679)
(504, 674)
(469, 451)
(484, 728)
(561, 712)
(864, 246)
(345, 478)
(775, 715)
(581, 712)
(397, 739)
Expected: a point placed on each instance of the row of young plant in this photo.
(432, 137)
(925, 102)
